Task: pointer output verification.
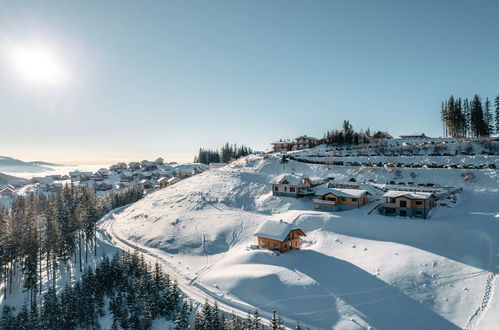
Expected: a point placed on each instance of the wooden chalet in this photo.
(335, 199)
(279, 235)
(283, 146)
(407, 204)
(305, 142)
(292, 185)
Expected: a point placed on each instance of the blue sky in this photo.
(151, 78)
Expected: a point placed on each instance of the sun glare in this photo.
(38, 65)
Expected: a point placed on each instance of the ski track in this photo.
(482, 309)
(189, 287)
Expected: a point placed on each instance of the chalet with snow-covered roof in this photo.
(305, 142)
(146, 184)
(134, 165)
(173, 180)
(335, 199)
(126, 176)
(159, 161)
(103, 185)
(163, 182)
(283, 146)
(381, 135)
(292, 185)
(407, 204)
(279, 235)
(413, 136)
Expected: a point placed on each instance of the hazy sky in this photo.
(140, 79)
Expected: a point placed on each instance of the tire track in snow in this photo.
(487, 295)
(194, 291)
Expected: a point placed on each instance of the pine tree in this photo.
(488, 117)
(478, 124)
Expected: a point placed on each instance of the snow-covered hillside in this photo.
(355, 270)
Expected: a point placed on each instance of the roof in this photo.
(413, 134)
(277, 230)
(284, 142)
(293, 179)
(408, 194)
(353, 193)
(306, 137)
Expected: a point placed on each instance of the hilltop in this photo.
(355, 270)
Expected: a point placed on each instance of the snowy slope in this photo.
(355, 270)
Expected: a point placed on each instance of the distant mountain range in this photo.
(9, 165)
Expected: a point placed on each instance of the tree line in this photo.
(225, 154)
(465, 118)
(346, 136)
(134, 294)
(52, 229)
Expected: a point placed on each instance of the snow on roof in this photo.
(408, 194)
(353, 193)
(413, 134)
(292, 179)
(284, 142)
(277, 230)
(306, 137)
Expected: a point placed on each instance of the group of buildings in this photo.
(282, 236)
(150, 174)
(327, 198)
(307, 142)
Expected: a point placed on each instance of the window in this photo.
(403, 203)
(354, 199)
(276, 188)
(262, 242)
(276, 245)
(291, 189)
(343, 199)
(419, 202)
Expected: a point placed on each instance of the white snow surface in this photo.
(355, 270)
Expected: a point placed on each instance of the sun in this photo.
(38, 65)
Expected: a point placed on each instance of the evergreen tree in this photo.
(497, 114)
(488, 117)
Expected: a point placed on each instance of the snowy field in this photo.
(355, 271)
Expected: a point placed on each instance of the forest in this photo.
(465, 118)
(226, 154)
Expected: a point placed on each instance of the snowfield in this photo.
(355, 270)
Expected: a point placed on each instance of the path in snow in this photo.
(482, 309)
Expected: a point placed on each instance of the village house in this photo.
(126, 176)
(381, 135)
(279, 235)
(134, 165)
(283, 146)
(103, 186)
(292, 185)
(173, 180)
(413, 136)
(163, 182)
(159, 161)
(331, 199)
(148, 165)
(407, 203)
(305, 142)
(146, 184)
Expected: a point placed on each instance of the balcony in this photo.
(324, 202)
